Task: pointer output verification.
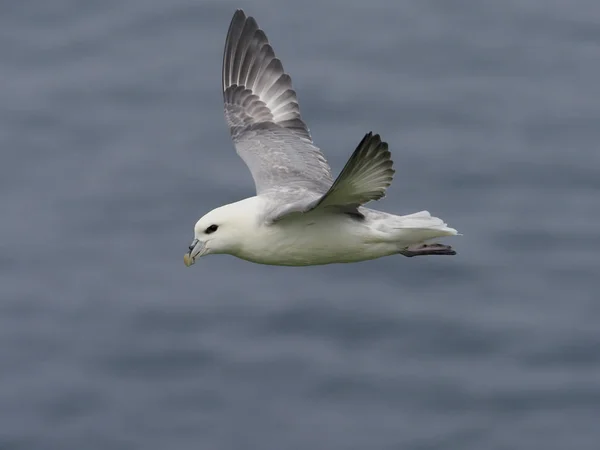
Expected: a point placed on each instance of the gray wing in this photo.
(365, 177)
(263, 115)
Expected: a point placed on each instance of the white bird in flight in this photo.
(300, 216)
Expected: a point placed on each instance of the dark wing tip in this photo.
(373, 143)
(249, 61)
(238, 16)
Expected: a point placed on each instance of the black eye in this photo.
(211, 229)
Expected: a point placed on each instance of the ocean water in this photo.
(114, 143)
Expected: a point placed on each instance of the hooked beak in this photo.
(197, 249)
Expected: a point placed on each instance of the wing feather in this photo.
(261, 109)
(365, 177)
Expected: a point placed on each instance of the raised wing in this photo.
(263, 115)
(365, 177)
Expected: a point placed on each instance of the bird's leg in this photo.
(427, 249)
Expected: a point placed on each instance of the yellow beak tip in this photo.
(187, 260)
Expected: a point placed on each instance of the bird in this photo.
(300, 215)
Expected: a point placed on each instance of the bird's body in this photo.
(316, 238)
(321, 237)
(300, 215)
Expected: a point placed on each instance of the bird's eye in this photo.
(211, 229)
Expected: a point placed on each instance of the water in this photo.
(114, 143)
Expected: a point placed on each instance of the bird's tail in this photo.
(424, 225)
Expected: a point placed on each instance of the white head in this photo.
(221, 231)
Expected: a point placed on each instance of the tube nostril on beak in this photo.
(193, 245)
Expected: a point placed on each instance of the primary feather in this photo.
(261, 109)
(365, 177)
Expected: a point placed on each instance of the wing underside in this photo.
(365, 177)
(262, 112)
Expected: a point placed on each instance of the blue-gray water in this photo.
(114, 143)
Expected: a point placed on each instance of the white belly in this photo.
(323, 240)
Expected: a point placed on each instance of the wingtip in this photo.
(375, 138)
(250, 61)
(239, 16)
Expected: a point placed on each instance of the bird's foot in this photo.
(427, 249)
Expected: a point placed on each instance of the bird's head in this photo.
(222, 230)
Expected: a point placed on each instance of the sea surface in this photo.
(113, 143)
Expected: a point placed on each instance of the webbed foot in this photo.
(427, 249)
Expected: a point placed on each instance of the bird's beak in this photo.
(196, 249)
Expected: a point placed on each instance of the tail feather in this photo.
(424, 221)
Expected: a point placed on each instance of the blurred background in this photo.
(114, 144)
